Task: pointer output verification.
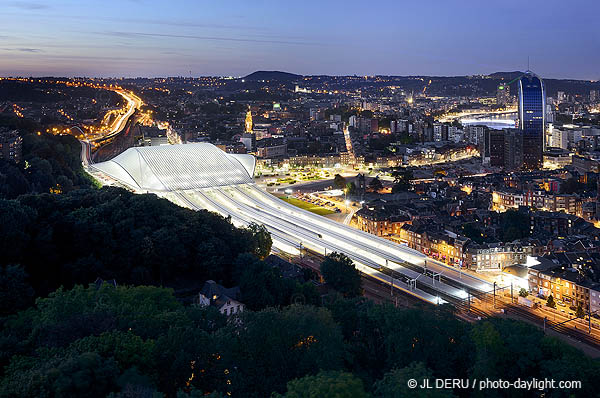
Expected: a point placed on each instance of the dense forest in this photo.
(49, 162)
(62, 335)
(142, 342)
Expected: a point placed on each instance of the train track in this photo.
(382, 292)
(576, 334)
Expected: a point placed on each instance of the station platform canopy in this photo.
(179, 167)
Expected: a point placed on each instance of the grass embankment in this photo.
(307, 206)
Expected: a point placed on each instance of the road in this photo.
(473, 113)
(86, 154)
(133, 103)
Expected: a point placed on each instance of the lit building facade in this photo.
(503, 95)
(532, 119)
(11, 144)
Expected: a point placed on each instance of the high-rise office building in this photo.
(492, 148)
(532, 119)
(503, 95)
(440, 132)
(513, 149)
(474, 133)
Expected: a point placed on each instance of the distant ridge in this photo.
(506, 75)
(272, 75)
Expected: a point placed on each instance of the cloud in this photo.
(214, 38)
(24, 50)
(28, 5)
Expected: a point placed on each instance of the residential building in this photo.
(11, 144)
(567, 277)
(381, 219)
(223, 299)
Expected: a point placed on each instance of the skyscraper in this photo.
(532, 119)
(513, 149)
(494, 142)
(503, 94)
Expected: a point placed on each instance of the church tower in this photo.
(248, 121)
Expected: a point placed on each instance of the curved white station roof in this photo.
(201, 176)
(179, 167)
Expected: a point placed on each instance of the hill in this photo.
(272, 75)
(506, 75)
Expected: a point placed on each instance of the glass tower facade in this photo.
(532, 119)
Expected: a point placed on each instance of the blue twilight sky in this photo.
(235, 37)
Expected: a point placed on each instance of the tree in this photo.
(515, 225)
(16, 221)
(402, 178)
(339, 181)
(83, 375)
(579, 313)
(395, 383)
(571, 185)
(260, 285)
(550, 302)
(375, 184)
(275, 346)
(472, 233)
(332, 384)
(339, 272)
(78, 236)
(523, 292)
(262, 240)
(12, 180)
(350, 188)
(128, 349)
(15, 292)
(366, 114)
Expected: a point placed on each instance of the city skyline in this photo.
(146, 38)
(288, 199)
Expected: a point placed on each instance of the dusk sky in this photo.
(172, 38)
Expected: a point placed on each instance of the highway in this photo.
(86, 154)
(133, 103)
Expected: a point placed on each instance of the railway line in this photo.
(295, 229)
